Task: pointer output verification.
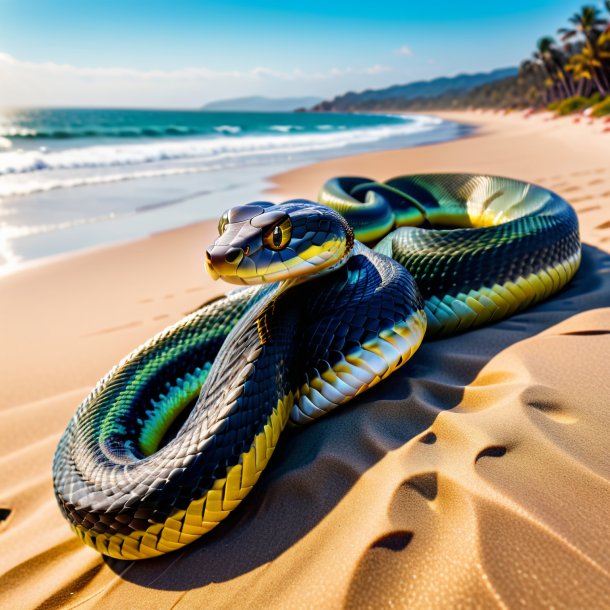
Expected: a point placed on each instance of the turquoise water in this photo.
(76, 178)
(52, 126)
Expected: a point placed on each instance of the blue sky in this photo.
(184, 53)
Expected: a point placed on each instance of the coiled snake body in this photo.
(321, 319)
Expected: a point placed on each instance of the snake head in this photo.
(262, 242)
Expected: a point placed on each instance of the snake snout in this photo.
(223, 261)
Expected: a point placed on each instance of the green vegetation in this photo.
(573, 72)
(601, 109)
(573, 104)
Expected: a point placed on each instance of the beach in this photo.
(477, 475)
(79, 178)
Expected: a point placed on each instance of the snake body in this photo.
(173, 438)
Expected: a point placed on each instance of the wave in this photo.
(227, 129)
(286, 128)
(31, 187)
(146, 131)
(16, 231)
(209, 153)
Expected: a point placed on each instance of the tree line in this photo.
(576, 66)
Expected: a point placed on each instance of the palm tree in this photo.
(532, 70)
(579, 86)
(588, 22)
(603, 52)
(586, 67)
(553, 62)
(588, 64)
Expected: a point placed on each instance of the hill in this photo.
(257, 103)
(400, 96)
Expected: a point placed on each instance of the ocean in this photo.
(77, 178)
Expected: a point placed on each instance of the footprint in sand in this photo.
(425, 484)
(381, 566)
(546, 400)
(4, 515)
(587, 172)
(494, 451)
(168, 297)
(114, 329)
(428, 439)
(171, 295)
(395, 541)
(589, 209)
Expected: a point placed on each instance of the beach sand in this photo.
(477, 475)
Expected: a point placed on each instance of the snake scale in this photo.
(174, 437)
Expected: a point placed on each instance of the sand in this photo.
(478, 475)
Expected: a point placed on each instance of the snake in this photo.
(332, 297)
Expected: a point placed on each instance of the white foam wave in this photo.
(32, 186)
(15, 231)
(227, 129)
(208, 153)
(17, 132)
(286, 128)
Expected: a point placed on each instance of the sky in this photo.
(184, 53)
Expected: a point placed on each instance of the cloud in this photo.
(56, 69)
(50, 83)
(403, 51)
(26, 83)
(189, 72)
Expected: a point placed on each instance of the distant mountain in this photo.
(522, 91)
(261, 104)
(400, 96)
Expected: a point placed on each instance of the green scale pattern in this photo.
(503, 231)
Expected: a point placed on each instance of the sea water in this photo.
(76, 178)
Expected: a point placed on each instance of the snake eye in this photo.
(222, 223)
(278, 236)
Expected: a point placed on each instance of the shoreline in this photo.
(396, 162)
(279, 186)
(65, 210)
(485, 452)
